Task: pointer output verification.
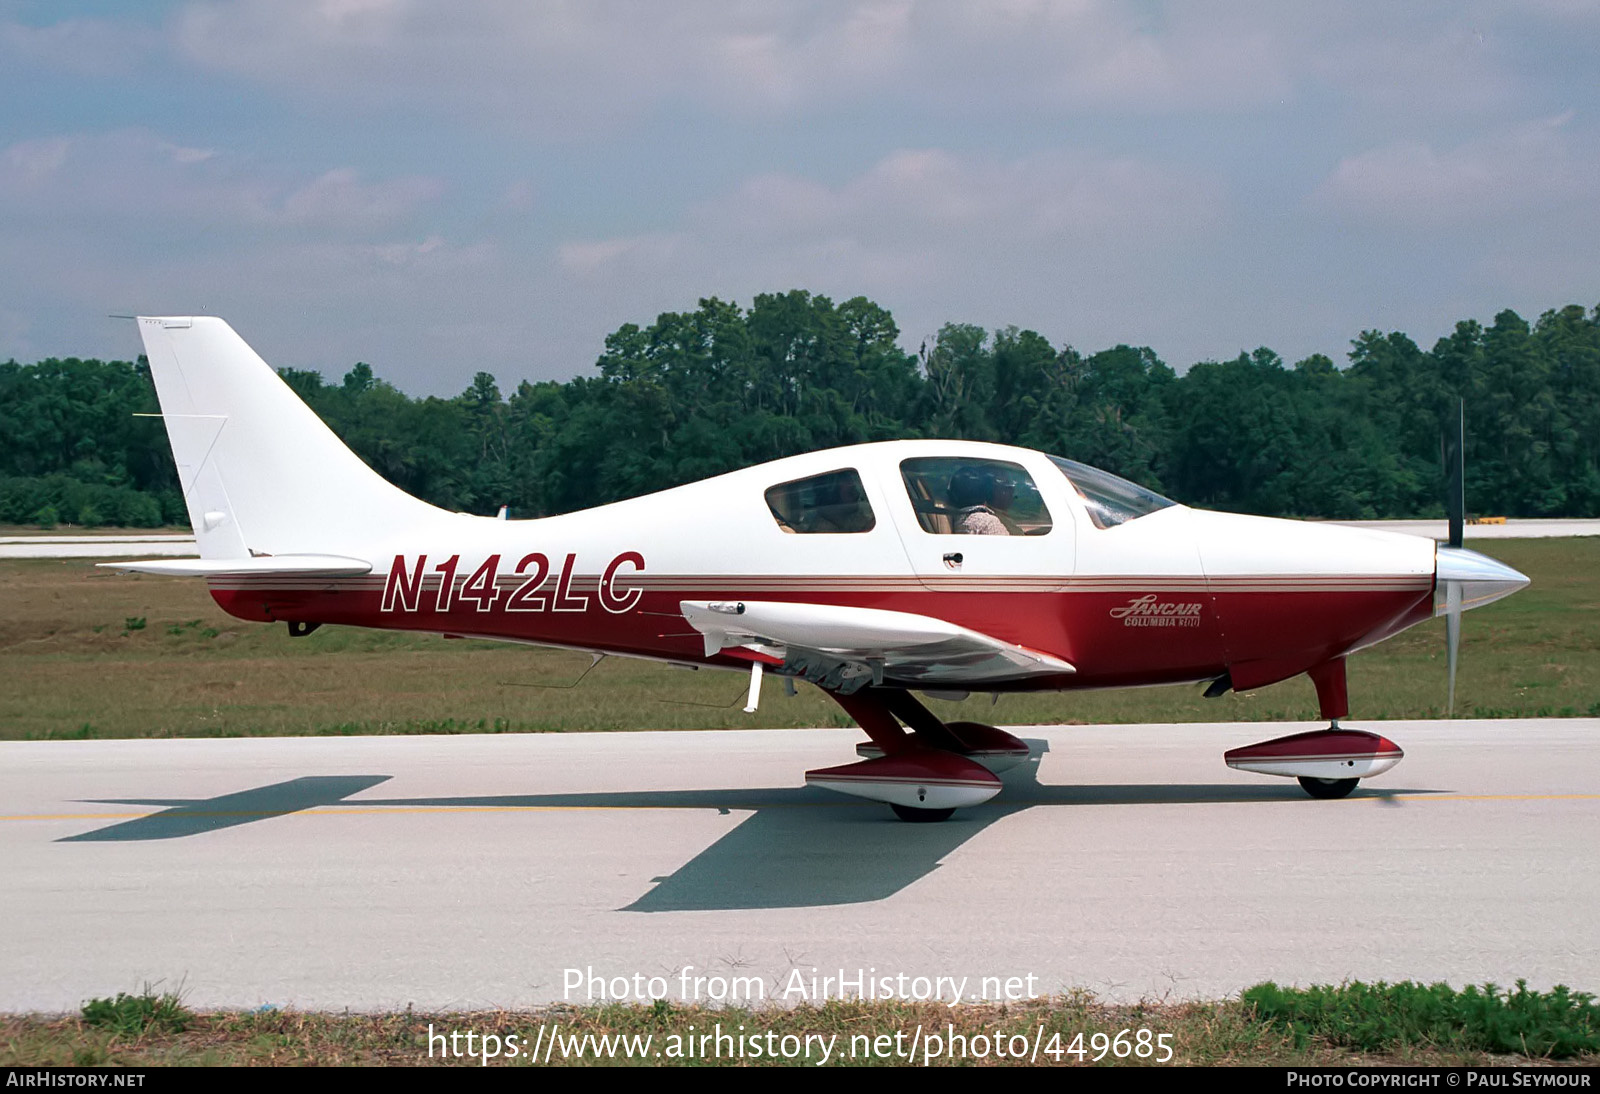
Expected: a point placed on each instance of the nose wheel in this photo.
(1327, 789)
(920, 816)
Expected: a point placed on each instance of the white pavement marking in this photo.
(472, 871)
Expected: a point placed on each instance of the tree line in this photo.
(701, 392)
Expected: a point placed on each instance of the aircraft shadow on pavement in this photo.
(793, 858)
(190, 817)
(798, 848)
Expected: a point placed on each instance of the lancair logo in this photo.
(1147, 611)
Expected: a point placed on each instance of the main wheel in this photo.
(920, 816)
(1328, 789)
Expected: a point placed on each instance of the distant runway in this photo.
(471, 871)
(106, 546)
(1511, 529)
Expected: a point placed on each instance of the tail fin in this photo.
(261, 473)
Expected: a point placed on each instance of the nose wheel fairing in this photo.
(1332, 755)
(1327, 762)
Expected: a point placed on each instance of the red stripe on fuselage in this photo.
(1116, 631)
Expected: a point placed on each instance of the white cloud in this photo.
(520, 196)
(748, 146)
(340, 199)
(1061, 54)
(190, 155)
(1510, 172)
(916, 199)
(1403, 63)
(102, 223)
(587, 258)
(564, 66)
(1073, 244)
(85, 47)
(142, 183)
(30, 163)
(935, 236)
(1586, 11)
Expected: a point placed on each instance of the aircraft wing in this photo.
(262, 565)
(847, 648)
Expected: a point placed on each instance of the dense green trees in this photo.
(71, 448)
(697, 393)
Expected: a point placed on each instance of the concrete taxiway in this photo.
(473, 871)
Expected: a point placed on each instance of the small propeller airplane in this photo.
(873, 571)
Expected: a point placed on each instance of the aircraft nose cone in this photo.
(1482, 579)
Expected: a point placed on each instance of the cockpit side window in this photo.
(822, 504)
(956, 495)
(1110, 500)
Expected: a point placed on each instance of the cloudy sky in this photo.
(438, 188)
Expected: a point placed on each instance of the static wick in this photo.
(594, 659)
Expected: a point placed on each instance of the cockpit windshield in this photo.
(1110, 500)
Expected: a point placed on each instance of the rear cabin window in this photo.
(971, 497)
(822, 504)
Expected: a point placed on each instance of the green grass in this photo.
(64, 529)
(1381, 1017)
(75, 662)
(1350, 1025)
(136, 1015)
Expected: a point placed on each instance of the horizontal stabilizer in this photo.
(262, 566)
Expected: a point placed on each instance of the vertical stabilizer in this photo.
(261, 473)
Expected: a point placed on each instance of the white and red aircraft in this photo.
(873, 571)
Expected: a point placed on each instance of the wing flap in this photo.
(848, 647)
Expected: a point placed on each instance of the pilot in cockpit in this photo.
(978, 495)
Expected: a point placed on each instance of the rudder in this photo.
(260, 472)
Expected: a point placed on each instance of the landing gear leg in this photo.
(1333, 696)
(923, 775)
(873, 715)
(1333, 701)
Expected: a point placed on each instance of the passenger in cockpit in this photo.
(839, 506)
(978, 496)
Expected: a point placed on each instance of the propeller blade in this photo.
(1455, 492)
(1452, 636)
(1455, 506)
